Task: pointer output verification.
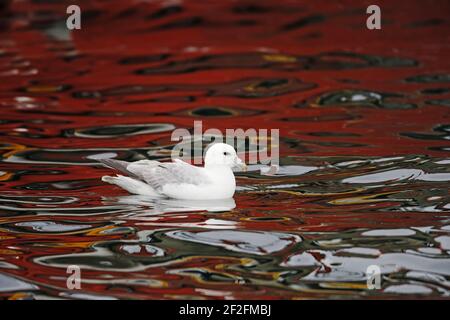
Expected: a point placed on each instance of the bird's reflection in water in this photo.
(154, 206)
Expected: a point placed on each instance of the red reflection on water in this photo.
(271, 65)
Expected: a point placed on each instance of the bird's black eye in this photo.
(225, 153)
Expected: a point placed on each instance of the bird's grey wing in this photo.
(132, 169)
(175, 173)
(120, 166)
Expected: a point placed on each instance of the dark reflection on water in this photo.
(364, 168)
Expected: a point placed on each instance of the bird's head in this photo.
(223, 154)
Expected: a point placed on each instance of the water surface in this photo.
(364, 149)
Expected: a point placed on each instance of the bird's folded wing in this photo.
(158, 174)
(132, 169)
(140, 167)
(175, 173)
(119, 165)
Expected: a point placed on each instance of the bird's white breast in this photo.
(221, 185)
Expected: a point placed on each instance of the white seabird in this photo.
(179, 179)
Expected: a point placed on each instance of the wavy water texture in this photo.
(364, 168)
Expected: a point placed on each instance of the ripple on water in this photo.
(50, 226)
(119, 130)
(430, 78)
(260, 243)
(364, 98)
(389, 233)
(408, 289)
(398, 175)
(9, 283)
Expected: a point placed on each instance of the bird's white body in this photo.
(222, 186)
(178, 179)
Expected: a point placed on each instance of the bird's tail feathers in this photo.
(131, 185)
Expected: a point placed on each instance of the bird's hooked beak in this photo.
(240, 165)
